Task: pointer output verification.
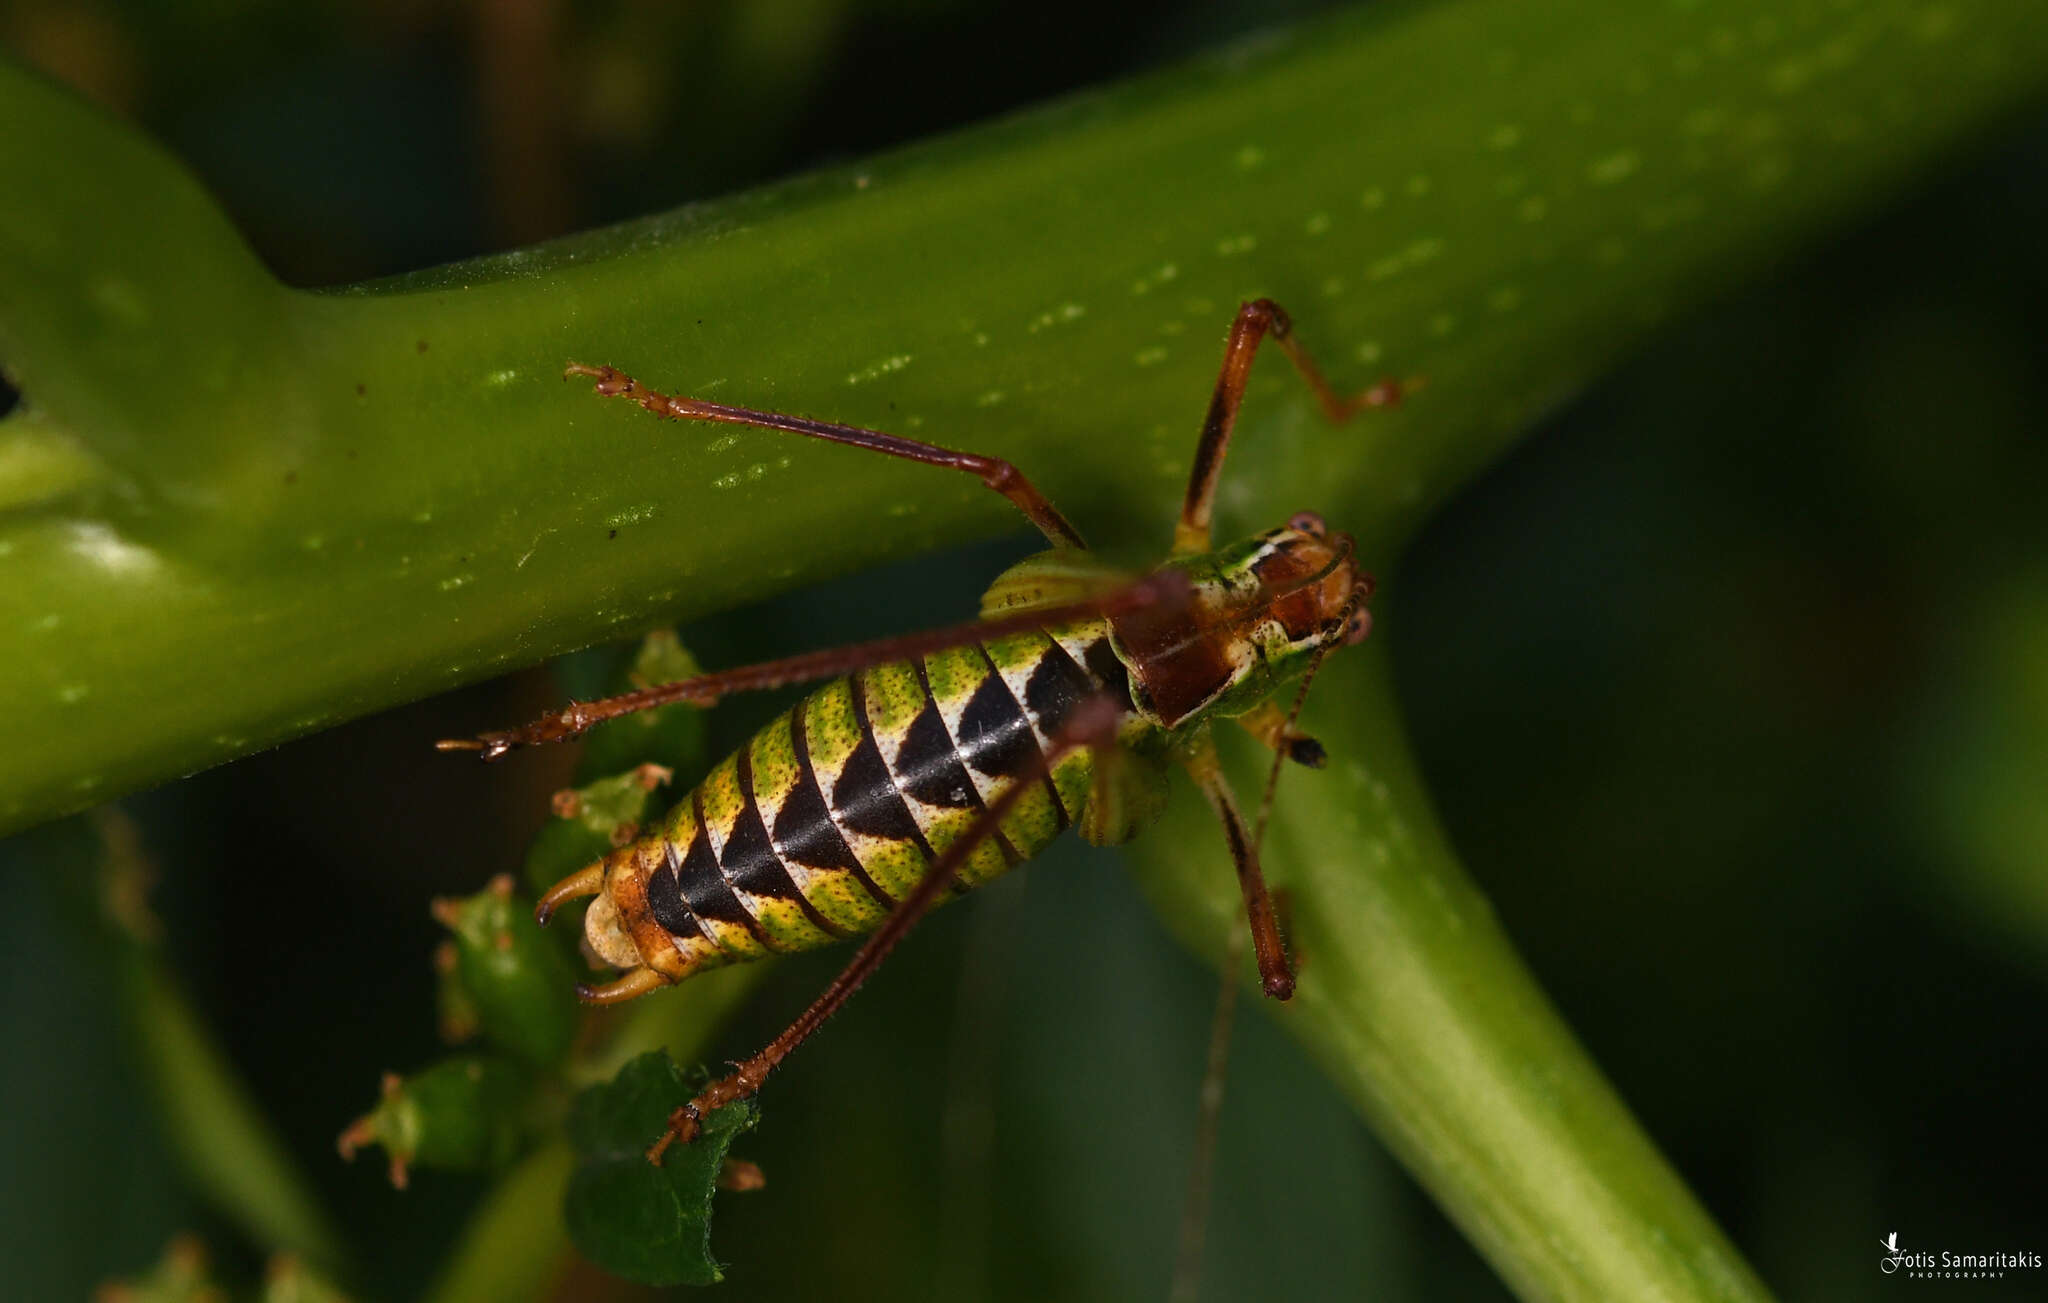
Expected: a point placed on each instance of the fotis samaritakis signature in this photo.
(1951, 1265)
(1894, 1259)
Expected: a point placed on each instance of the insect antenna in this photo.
(1194, 1212)
(1169, 589)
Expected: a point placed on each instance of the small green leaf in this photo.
(626, 768)
(286, 1279)
(518, 983)
(648, 1224)
(671, 736)
(593, 821)
(182, 1275)
(455, 1010)
(462, 1113)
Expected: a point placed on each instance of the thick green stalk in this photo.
(1416, 1004)
(231, 513)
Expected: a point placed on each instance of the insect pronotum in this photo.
(933, 762)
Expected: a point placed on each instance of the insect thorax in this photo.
(1257, 615)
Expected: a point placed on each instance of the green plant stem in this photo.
(1414, 1001)
(231, 513)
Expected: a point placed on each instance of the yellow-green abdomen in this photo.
(832, 813)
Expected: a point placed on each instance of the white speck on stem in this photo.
(1615, 167)
(1064, 314)
(531, 548)
(100, 545)
(876, 370)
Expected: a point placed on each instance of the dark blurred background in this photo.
(1732, 684)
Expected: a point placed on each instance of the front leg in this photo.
(1275, 973)
(1255, 320)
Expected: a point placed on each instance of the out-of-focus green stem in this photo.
(515, 1246)
(216, 1128)
(210, 1120)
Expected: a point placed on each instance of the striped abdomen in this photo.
(831, 814)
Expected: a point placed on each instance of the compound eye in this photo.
(1359, 626)
(1308, 522)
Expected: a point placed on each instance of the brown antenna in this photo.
(1194, 1213)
